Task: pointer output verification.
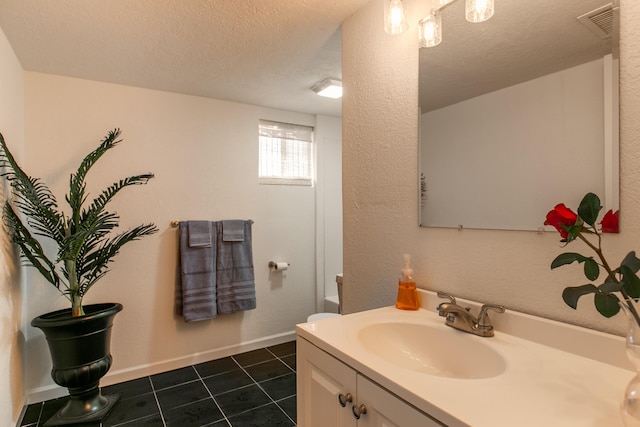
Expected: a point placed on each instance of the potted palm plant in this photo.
(78, 337)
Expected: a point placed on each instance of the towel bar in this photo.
(175, 223)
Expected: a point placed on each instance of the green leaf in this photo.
(631, 282)
(571, 295)
(610, 286)
(567, 258)
(589, 208)
(631, 261)
(591, 269)
(606, 304)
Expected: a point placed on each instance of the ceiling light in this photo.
(478, 10)
(430, 30)
(430, 27)
(395, 17)
(331, 88)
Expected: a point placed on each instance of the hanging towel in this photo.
(196, 298)
(233, 230)
(199, 234)
(234, 274)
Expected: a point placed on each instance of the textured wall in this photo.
(12, 128)
(380, 122)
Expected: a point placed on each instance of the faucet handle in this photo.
(451, 298)
(483, 318)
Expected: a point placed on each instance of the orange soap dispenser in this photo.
(407, 294)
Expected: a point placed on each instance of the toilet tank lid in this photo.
(339, 278)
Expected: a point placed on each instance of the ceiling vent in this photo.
(599, 21)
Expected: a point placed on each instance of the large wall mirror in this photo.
(518, 113)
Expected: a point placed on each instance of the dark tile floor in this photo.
(256, 388)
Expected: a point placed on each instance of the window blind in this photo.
(285, 153)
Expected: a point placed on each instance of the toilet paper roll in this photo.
(281, 266)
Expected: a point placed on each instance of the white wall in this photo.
(204, 156)
(12, 393)
(380, 125)
(521, 136)
(329, 206)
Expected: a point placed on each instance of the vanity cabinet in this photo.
(324, 384)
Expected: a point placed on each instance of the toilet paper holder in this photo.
(279, 265)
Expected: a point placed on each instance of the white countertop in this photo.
(541, 385)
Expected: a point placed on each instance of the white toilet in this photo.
(328, 301)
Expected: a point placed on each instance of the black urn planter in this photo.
(81, 356)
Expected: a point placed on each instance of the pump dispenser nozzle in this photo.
(407, 271)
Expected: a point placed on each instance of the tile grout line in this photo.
(254, 408)
(279, 407)
(155, 396)
(201, 379)
(285, 363)
(268, 360)
(212, 396)
(260, 387)
(37, 423)
(40, 414)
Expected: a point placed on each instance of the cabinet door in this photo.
(321, 378)
(386, 410)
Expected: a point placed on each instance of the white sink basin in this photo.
(432, 350)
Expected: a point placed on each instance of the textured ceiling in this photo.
(522, 41)
(261, 52)
(270, 52)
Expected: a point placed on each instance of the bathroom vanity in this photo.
(326, 400)
(407, 368)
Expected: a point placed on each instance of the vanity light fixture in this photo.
(330, 88)
(478, 10)
(430, 27)
(395, 17)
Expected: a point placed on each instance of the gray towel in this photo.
(196, 298)
(233, 230)
(234, 273)
(199, 234)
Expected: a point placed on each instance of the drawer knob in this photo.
(358, 411)
(344, 399)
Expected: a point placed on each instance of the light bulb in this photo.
(395, 18)
(478, 10)
(430, 30)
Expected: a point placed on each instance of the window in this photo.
(286, 153)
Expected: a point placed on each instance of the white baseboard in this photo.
(41, 394)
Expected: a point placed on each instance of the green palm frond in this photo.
(85, 245)
(30, 247)
(95, 264)
(32, 197)
(99, 203)
(77, 186)
(89, 235)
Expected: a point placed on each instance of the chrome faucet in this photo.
(461, 318)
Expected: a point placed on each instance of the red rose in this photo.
(561, 217)
(609, 222)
